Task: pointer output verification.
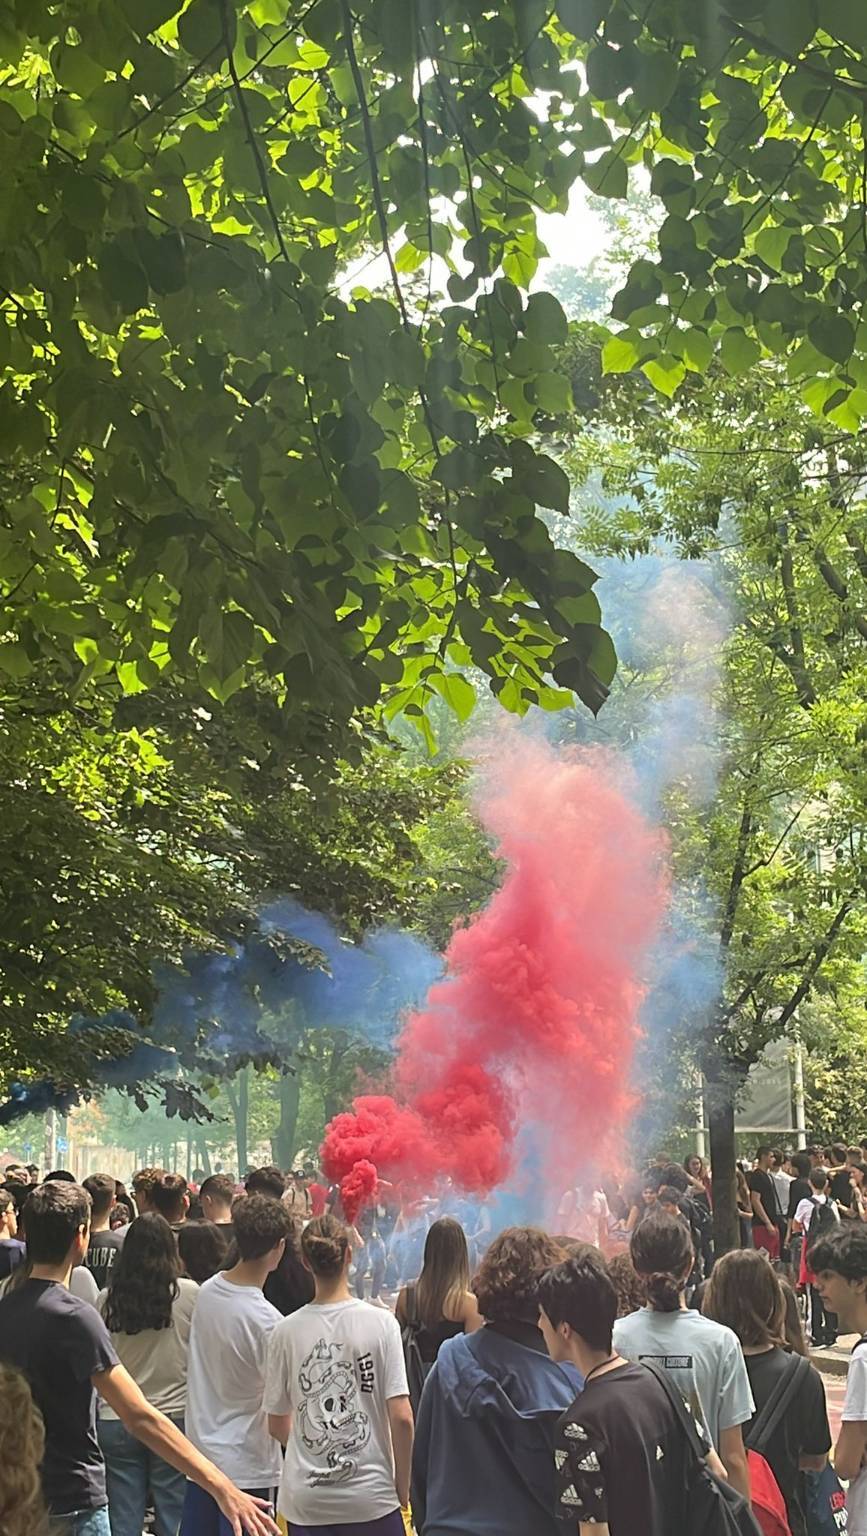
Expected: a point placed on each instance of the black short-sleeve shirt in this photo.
(619, 1456)
(799, 1189)
(762, 1185)
(58, 1342)
(103, 1252)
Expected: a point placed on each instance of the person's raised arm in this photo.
(244, 1513)
(400, 1421)
(734, 1459)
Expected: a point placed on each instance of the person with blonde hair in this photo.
(440, 1304)
(22, 1445)
(745, 1295)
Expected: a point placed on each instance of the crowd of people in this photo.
(200, 1361)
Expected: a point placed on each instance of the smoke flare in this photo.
(535, 1022)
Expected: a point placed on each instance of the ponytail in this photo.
(662, 1254)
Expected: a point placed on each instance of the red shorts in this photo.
(762, 1238)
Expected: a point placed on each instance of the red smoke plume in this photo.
(536, 1019)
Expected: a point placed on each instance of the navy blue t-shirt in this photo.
(58, 1342)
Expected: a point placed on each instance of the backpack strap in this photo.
(411, 1305)
(699, 1448)
(777, 1406)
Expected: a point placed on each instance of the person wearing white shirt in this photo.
(228, 1350)
(822, 1210)
(337, 1398)
(840, 1261)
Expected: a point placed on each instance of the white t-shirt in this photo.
(782, 1182)
(226, 1364)
(156, 1358)
(702, 1358)
(855, 1411)
(580, 1213)
(334, 1368)
(804, 1213)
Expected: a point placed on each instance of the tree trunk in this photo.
(240, 1103)
(721, 1128)
(203, 1154)
(283, 1140)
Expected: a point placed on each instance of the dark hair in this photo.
(445, 1273)
(144, 1180)
(260, 1223)
(818, 1178)
(144, 1280)
(663, 1255)
(56, 1211)
(265, 1181)
(505, 1286)
(218, 1186)
(744, 1293)
(777, 1154)
(801, 1164)
(697, 1157)
(324, 1242)
(762, 1152)
(166, 1195)
(60, 1176)
(6, 1199)
(203, 1249)
(125, 1209)
(631, 1294)
(580, 1292)
(669, 1195)
(674, 1177)
(859, 1168)
(101, 1188)
(839, 1153)
(843, 1251)
(290, 1286)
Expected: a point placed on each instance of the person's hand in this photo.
(246, 1515)
(770, 1226)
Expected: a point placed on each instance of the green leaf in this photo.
(14, 660)
(790, 24)
(655, 80)
(546, 483)
(459, 468)
(697, 349)
(123, 278)
(545, 320)
(607, 176)
(666, 373)
(619, 355)
(738, 351)
(553, 393)
(200, 27)
(582, 17)
(457, 692)
(609, 71)
(832, 335)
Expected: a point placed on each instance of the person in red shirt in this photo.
(318, 1192)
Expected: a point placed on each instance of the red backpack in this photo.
(769, 1506)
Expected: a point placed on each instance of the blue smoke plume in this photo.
(221, 1004)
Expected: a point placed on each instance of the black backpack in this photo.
(417, 1369)
(822, 1221)
(711, 1507)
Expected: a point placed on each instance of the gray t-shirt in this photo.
(702, 1358)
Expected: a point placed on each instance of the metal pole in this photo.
(700, 1140)
(798, 1093)
(50, 1139)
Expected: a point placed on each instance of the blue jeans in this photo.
(88, 1522)
(202, 1515)
(130, 1471)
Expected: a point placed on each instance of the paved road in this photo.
(835, 1391)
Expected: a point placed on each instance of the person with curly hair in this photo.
(485, 1430)
(630, 1292)
(148, 1310)
(22, 1445)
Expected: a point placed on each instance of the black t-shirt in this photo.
(799, 1189)
(804, 1430)
(58, 1342)
(762, 1185)
(620, 1456)
(841, 1189)
(12, 1252)
(101, 1257)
